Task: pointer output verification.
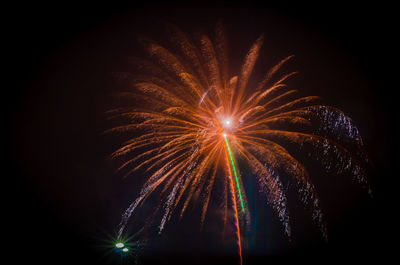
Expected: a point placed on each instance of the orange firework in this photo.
(191, 121)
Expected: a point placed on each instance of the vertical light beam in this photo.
(234, 202)
(234, 172)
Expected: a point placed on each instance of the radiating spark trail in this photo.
(234, 171)
(234, 200)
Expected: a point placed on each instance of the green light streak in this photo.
(234, 171)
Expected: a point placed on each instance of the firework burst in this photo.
(192, 121)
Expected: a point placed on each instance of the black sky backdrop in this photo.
(63, 196)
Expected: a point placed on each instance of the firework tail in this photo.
(235, 173)
(229, 157)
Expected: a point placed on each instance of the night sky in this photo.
(64, 199)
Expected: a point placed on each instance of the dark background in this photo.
(63, 199)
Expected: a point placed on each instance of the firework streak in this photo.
(179, 109)
(228, 151)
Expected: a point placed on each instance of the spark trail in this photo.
(234, 171)
(229, 157)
